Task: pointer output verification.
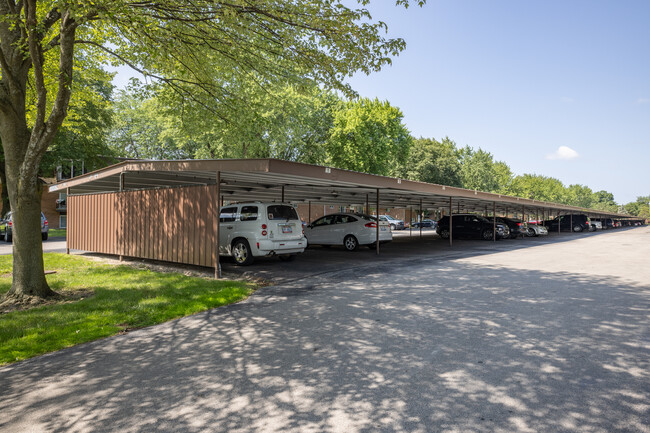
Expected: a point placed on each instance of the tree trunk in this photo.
(5, 192)
(25, 196)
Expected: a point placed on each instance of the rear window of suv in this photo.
(281, 212)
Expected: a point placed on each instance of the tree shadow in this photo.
(447, 346)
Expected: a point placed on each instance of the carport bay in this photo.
(168, 210)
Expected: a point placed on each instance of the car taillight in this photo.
(371, 225)
(518, 224)
(45, 223)
(9, 223)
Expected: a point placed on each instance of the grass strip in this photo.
(115, 298)
(57, 233)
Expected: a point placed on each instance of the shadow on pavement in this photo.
(449, 346)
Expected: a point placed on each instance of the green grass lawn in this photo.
(122, 298)
(57, 232)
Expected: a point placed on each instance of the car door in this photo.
(318, 231)
(474, 227)
(227, 222)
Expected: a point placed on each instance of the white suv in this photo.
(248, 230)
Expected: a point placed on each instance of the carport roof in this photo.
(264, 179)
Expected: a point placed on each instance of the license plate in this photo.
(286, 229)
(383, 229)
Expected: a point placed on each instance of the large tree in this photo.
(434, 162)
(369, 136)
(198, 48)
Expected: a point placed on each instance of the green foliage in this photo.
(640, 207)
(368, 136)
(433, 162)
(84, 133)
(116, 298)
(579, 195)
(538, 187)
(142, 129)
(479, 171)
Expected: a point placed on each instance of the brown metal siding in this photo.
(173, 224)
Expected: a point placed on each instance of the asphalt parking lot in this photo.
(550, 336)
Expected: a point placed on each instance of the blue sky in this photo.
(534, 83)
(520, 79)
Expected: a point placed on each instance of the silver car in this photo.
(536, 230)
(7, 223)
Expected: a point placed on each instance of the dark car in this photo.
(425, 223)
(471, 226)
(517, 227)
(580, 223)
(7, 222)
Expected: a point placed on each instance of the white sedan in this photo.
(349, 230)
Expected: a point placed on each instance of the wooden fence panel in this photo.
(172, 224)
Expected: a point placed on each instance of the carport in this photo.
(168, 210)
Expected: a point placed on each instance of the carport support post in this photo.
(451, 226)
(367, 205)
(67, 194)
(411, 221)
(559, 222)
(309, 212)
(217, 212)
(282, 194)
(420, 217)
(377, 231)
(571, 223)
(121, 230)
(494, 221)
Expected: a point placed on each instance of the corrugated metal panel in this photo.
(174, 225)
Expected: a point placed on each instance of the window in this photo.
(325, 221)
(63, 221)
(282, 212)
(248, 213)
(228, 214)
(343, 219)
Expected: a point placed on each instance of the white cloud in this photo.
(563, 152)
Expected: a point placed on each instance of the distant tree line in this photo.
(304, 124)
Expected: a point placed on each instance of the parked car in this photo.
(602, 223)
(517, 227)
(533, 229)
(248, 230)
(395, 224)
(349, 230)
(580, 223)
(595, 225)
(425, 223)
(7, 223)
(471, 226)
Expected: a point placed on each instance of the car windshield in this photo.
(282, 212)
(482, 219)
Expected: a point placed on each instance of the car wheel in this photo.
(392, 227)
(487, 235)
(577, 229)
(241, 252)
(287, 257)
(444, 234)
(44, 236)
(530, 232)
(7, 237)
(350, 243)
